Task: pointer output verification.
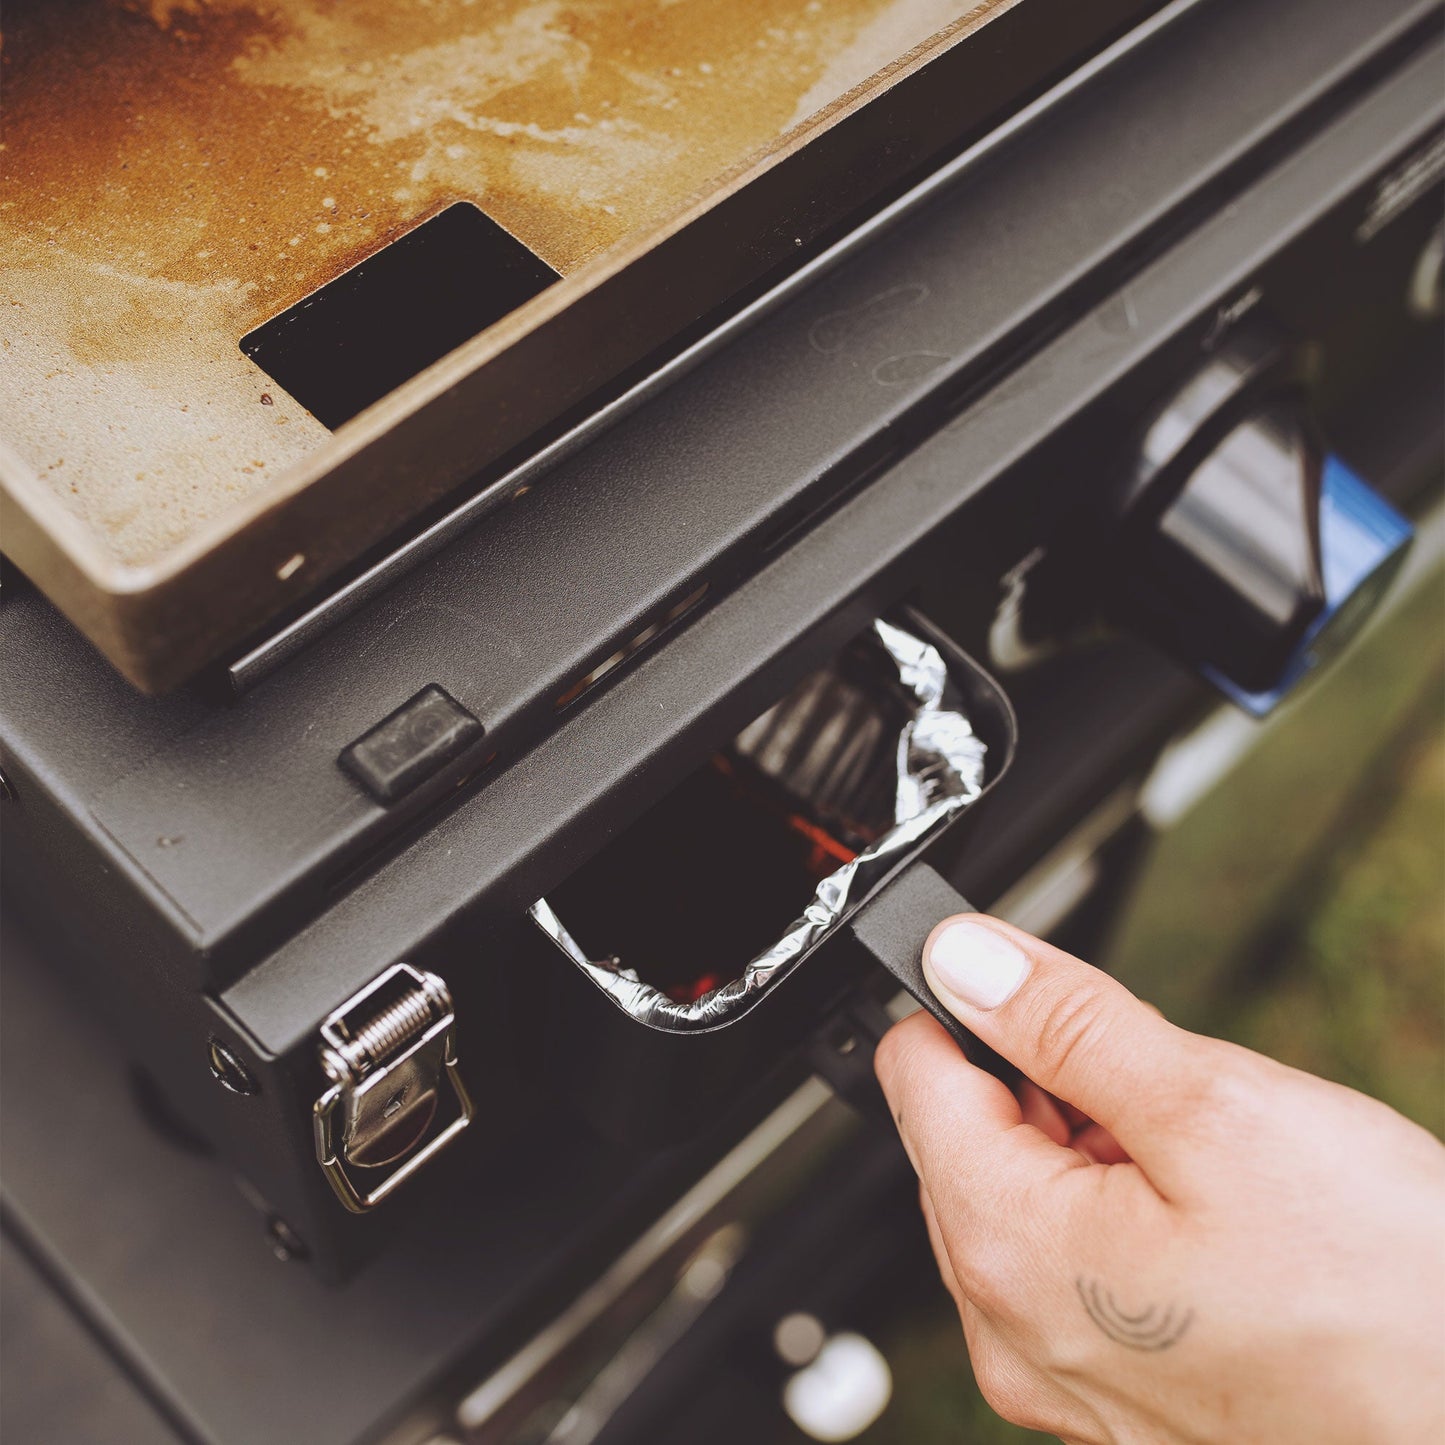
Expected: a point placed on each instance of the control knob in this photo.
(1246, 548)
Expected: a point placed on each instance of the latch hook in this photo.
(386, 1051)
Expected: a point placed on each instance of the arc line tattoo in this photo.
(1151, 1330)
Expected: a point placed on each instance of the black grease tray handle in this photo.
(893, 927)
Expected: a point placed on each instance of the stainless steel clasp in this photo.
(388, 1051)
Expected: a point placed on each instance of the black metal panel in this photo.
(61, 1383)
(235, 816)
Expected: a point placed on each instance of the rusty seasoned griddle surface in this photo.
(177, 171)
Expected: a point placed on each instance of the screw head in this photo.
(286, 1244)
(227, 1070)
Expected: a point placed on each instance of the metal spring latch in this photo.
(386, 1051)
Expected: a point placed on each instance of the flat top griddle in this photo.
(179, 174)
(180, 171)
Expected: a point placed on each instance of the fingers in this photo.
(1067, 1125)
(963, 1129)
(1099, 1146)
(940, 1250)
(935, 1094)
(1043, 1111)
(1072, 1029)
(1006, 1381)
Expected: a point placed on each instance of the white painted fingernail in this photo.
(976, 965)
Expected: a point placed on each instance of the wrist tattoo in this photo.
(1154, 1329)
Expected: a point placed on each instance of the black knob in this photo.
(1244, 547)
(1220, 517)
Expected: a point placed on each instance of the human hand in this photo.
(1224, 1250)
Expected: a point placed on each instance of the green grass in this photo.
(1356, 990)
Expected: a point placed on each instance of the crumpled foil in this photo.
(940, 771)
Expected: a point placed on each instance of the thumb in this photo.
(1070, 1028)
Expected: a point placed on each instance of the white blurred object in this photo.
(844, 1390)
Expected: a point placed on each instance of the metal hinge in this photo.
(387, 1051)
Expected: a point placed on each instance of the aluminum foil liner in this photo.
(939, 765)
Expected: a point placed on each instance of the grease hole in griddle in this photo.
(390, 316)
